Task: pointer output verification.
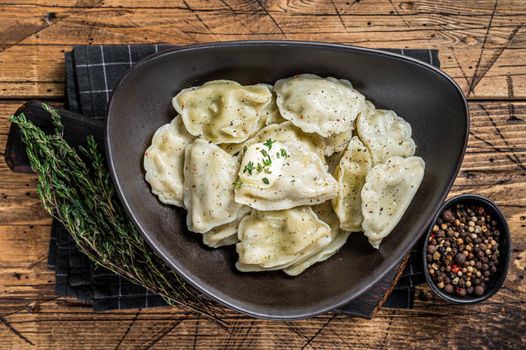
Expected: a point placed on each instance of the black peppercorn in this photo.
(479, 290)
(448, 288)
(460, 258)
(447, 215)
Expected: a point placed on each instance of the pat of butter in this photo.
(262, 165)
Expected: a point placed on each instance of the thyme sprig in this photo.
(75, 187)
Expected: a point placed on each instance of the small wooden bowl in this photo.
(504, 249)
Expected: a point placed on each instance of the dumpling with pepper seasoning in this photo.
(338, 239)
(350, 173)
(388, 190)
(325, 106)
(164, 159)
(223, 111)
(281, 175)
(273, 240)
(385, 134)
(208, 199)
(281, 132)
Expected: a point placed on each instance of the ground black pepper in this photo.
(463, 250)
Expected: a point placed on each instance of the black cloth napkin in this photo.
(92, 72)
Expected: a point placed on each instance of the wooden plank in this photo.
(493, 167)
(19, 201)
(480, 44)
(58, 325)
(446, 7)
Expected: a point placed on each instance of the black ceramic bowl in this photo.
(422, 94)
(504, 249)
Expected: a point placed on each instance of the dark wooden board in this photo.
(76, 129)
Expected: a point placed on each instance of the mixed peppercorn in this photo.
(463, 250)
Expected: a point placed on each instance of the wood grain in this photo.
(493, 167)
(481, 42)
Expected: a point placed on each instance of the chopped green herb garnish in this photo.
(265, 181)
(283, 153)
(269, 143)
(249, 168)
(267, 162)
(244, 149)
(267, 170)
(264, 153)
(277, 154)
(237, 184)
(259, 167)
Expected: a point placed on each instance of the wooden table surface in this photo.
(482, 46)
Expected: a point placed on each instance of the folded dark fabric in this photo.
(92, 72)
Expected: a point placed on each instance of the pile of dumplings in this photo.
(284, 172)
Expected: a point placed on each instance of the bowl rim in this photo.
(390, 262)
(503, 270)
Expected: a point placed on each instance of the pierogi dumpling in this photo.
(338, 239)
(225, 234)
(276, 176)
(209, 174)
(388, 190)
(272, 240)
(282, 132)
(222, 111)
(350, 174)
(325, 106)
(385, 134)
(164, 159)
